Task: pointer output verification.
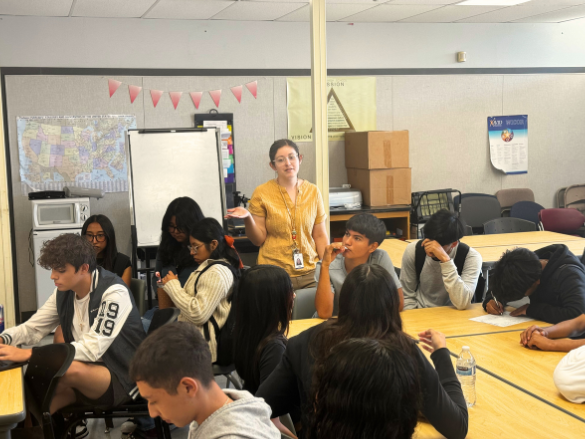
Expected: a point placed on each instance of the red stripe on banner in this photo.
(134, 91)
(196, 97)
(113, 86)
(215, 95)
(175, 97)
(253, 88)
(155, 95)
(237, 91)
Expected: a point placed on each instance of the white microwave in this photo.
(60, 213)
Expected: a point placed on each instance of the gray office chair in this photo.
(304, 306)
(508, 225)
(137, 288)
(476, 209)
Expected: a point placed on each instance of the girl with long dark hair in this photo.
(263, 310)
(205, 299)
(369, 308)
(365, 388)
(99, 231)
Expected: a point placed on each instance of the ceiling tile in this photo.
(423, 2)
(570, 13)
(388, 13)
(512, 13)
(54, 8)
(449, 14)
(334, 11)
(111, 8)
(257, 11)
(187, 9)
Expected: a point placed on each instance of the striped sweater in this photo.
(210, 300)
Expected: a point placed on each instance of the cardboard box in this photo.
(381, 187)
(377, 150)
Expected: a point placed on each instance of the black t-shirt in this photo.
(269, 359)
(121, 262)
(287, 388)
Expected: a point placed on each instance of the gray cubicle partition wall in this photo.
(445, 114)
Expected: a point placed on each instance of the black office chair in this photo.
(508, 225)
(138, 408)
(46, 366)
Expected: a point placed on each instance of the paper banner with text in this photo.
(508, 138)
(351, 106)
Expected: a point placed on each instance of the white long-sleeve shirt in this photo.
(440, 284)
(210, 299)
(90, 343)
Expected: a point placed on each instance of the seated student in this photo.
(439, 270)
(363, 235)
(375, 397)
(368, 307)
(99, 231)
(263, 310)
(569, 375)
(172, 369)
(205, 300)
(552, 277)
(98, 317)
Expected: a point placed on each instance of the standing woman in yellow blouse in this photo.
(286, 218)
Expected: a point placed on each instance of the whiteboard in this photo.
(166, 164)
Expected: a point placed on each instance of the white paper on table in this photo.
(502, 321)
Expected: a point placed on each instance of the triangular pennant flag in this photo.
(237, 91)
(113, 85)
(155, 95)
(196, 96)
(253, 88)
(175, 97)
(215, 95)
(134, 91)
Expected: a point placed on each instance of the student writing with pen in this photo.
(552, 277)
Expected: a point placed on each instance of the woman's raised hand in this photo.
(237, 213)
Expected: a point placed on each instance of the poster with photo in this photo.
(508, 138)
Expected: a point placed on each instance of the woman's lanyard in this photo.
(297, 257)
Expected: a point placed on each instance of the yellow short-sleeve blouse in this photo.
(277, 249)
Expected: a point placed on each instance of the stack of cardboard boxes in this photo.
(377, 164)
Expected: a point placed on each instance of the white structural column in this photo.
(6, 278)
(319, 91)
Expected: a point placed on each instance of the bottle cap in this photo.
(465, 348)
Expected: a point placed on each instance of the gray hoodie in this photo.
(245, 418)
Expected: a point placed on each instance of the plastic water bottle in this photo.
(1, 319)
(466, 373)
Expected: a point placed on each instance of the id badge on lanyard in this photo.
(298, 259)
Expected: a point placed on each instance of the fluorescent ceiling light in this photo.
(491, 2)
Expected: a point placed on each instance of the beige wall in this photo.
(446, 117)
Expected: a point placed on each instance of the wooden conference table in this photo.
(516, 396)
(491, 247)
(12, 409)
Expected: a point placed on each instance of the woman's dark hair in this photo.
(111, 250)
(368, 308)
(187, 213)
(263, 310)
(445, 227)
(207, 230)
(365, 388)
(514, 274)
(279, 144)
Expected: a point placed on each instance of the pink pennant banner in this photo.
(253, 88)
(113, 85)
(215, 95)
(237, 91)
(134, 91)
(155, 95)
(175, 97)
(196, 97)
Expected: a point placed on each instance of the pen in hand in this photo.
(498, 304)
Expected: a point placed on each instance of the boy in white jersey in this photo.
(99, 318)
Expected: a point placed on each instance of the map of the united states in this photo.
(86, 151)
